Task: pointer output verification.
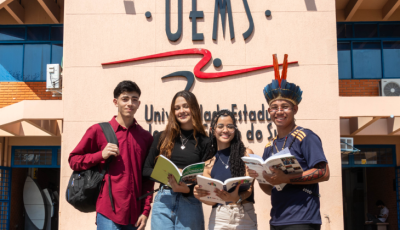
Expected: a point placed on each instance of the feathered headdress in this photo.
(280, 88)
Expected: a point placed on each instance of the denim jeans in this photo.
(103, 223)
(226, 217)
(173, 211)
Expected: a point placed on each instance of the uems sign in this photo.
(253, 115)
(221, 6)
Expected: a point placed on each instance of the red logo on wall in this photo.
(197, 69)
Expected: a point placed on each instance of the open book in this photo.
(283, 160)
(229, 185)
(164, 166)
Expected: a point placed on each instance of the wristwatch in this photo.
(240, 199)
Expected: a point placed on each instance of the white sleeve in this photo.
(385, 211)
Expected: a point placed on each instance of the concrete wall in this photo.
(97, 32)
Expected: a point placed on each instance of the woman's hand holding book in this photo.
(228, 197)
(181, 187)
(199, 193)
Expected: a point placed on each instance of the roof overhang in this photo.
(32, 118)
(382, 9)
(17, 11)
(366, 116)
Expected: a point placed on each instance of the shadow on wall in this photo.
(310, 4)
(129, 7)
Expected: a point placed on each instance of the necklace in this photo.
(284, 143)
(184, 140)
(226, 165)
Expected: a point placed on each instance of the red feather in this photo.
(276, 69)
(285, 67)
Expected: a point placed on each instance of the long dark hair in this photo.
(172, 130)
(237, 147)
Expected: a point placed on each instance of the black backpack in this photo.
(84, 186)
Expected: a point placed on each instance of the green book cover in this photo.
(190, 172)
(164, 166)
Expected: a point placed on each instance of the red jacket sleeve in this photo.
(87, 153)
(147, 186)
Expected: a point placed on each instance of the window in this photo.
(25, 51)
(344, 31)
(5, 197)
(368, 50)
(36, 157)
(391, 55)
(344, 60)
(11, 62)
(365, 30)
(371, 156)
(59, 157)
(367, 60)
(12, 34)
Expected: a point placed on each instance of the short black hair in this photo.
(126, 86)
(379, 203)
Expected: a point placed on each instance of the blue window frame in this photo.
(25, 50)
(35, 157)
(368, 50)
(5, 197)
(371, 156)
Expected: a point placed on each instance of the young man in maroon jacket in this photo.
(126, 167)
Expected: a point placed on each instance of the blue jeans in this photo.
(172, 211)
(103, 223)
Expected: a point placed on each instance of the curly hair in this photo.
(238, 150)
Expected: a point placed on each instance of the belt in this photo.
(162, 186)
(165, 187)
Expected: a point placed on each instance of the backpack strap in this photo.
(111, 138)
(109, 133)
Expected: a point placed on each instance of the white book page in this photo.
(210, 185)
(256, 165)
(284, 153)
(284, 161)
(241, 181)
(256, 156)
